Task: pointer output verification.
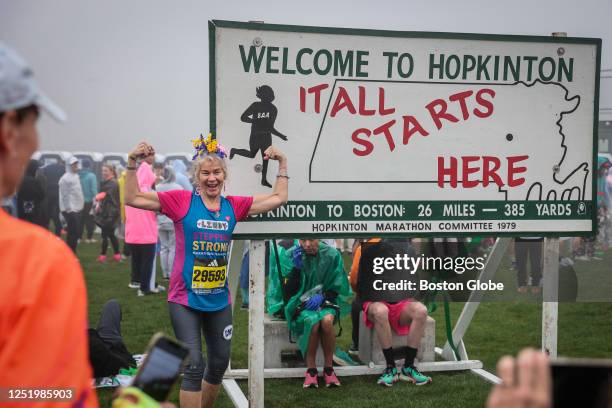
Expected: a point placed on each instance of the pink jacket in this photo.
(141, 225)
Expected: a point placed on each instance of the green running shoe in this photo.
(413, 375)
(388, 377)
(342, 358)
(128, 371)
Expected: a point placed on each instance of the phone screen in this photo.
(160, 369)
(582, 383)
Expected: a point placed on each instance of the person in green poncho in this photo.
(603, 218)
(321, 290)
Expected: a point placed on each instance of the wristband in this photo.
(131, 167)
(283, 174)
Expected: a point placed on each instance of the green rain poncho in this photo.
(326, 269)
(601, 181)
(274, 293)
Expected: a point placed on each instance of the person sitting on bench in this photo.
(405, 316)
(315, 271)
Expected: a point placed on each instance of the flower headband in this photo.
(207, 145)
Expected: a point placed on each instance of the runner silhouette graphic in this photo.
(261, 116)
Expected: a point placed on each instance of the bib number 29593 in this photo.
(208, 277)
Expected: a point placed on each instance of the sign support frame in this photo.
(256, 371)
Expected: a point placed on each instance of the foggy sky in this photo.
(126, 70)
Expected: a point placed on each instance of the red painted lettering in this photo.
(512, 170)
(367, 145)
(411, 126)
(316, 90)
(342, 101)
(436, 115)
(488, 105)
(362, 108)
(385, 129)
(450, 171)
(489, 172)
(461, 96)
(381, 103)
(302, 99)
(467, 170)
(489, 169)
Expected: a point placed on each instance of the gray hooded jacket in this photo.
(169, 183)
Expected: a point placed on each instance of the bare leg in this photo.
(328, 339)
(190, 399)
(379, 314)
(196, 399)
(415, 315)
(313, 344)
(209, 394)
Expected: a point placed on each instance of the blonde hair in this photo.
(208, 157)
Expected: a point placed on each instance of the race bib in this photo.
(208, 277)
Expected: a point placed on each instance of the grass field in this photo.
(585, 330)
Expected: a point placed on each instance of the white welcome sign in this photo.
(404, 133)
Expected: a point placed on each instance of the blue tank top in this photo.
(207, 237)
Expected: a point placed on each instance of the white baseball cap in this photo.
(73, 160)
(19, 89)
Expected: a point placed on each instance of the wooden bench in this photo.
(276, 341)
(371, 352)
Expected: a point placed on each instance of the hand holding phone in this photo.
(581, 382)
(161, 367)
(525, 381)
(532, 380)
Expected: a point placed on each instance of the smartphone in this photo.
(582, 382)
(161, 367)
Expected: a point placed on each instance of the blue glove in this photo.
(297, 257)
(314, 302)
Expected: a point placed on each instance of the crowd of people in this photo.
(70, 198)
(66, 197)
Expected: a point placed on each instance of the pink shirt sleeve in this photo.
(241, 206)
(175, 203)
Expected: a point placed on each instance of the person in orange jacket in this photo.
(43, 302)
